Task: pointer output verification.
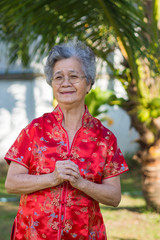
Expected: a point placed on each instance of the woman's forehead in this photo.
(69, 71)
(68, 65)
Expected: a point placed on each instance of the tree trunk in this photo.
(151, 177)
(148, 156)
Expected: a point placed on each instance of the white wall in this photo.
(20, 102)
(126, 136)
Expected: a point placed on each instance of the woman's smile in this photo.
(67, 92)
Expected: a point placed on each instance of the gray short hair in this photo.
(76, 49)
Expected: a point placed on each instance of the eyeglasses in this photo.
(73, 78)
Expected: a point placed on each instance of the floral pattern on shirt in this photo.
(63, 212)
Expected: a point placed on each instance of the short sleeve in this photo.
(20, 151)
(115, 162)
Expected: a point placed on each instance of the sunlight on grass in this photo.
(131, 220)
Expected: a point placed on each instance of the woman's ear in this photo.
(88, 88)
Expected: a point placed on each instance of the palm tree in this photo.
(105, 25)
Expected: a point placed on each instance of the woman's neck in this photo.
(72, 117)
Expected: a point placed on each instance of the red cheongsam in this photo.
(63, 212)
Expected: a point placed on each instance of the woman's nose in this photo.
(66, 81)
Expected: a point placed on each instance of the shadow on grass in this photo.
(140, 209)
(116, 238)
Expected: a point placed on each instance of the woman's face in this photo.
(67, 92)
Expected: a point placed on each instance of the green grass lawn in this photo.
(130, 221)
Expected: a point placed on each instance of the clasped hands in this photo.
(68, 171)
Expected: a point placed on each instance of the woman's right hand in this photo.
(65, 171)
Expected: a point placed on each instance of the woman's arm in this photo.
(108, 193)
(19, 181)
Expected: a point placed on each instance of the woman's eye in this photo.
(59, 78)
(73, 76)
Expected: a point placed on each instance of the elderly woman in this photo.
(66, 162)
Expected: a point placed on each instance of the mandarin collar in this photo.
(58, 114)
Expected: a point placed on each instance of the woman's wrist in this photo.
(53, 180)
(83, 184)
